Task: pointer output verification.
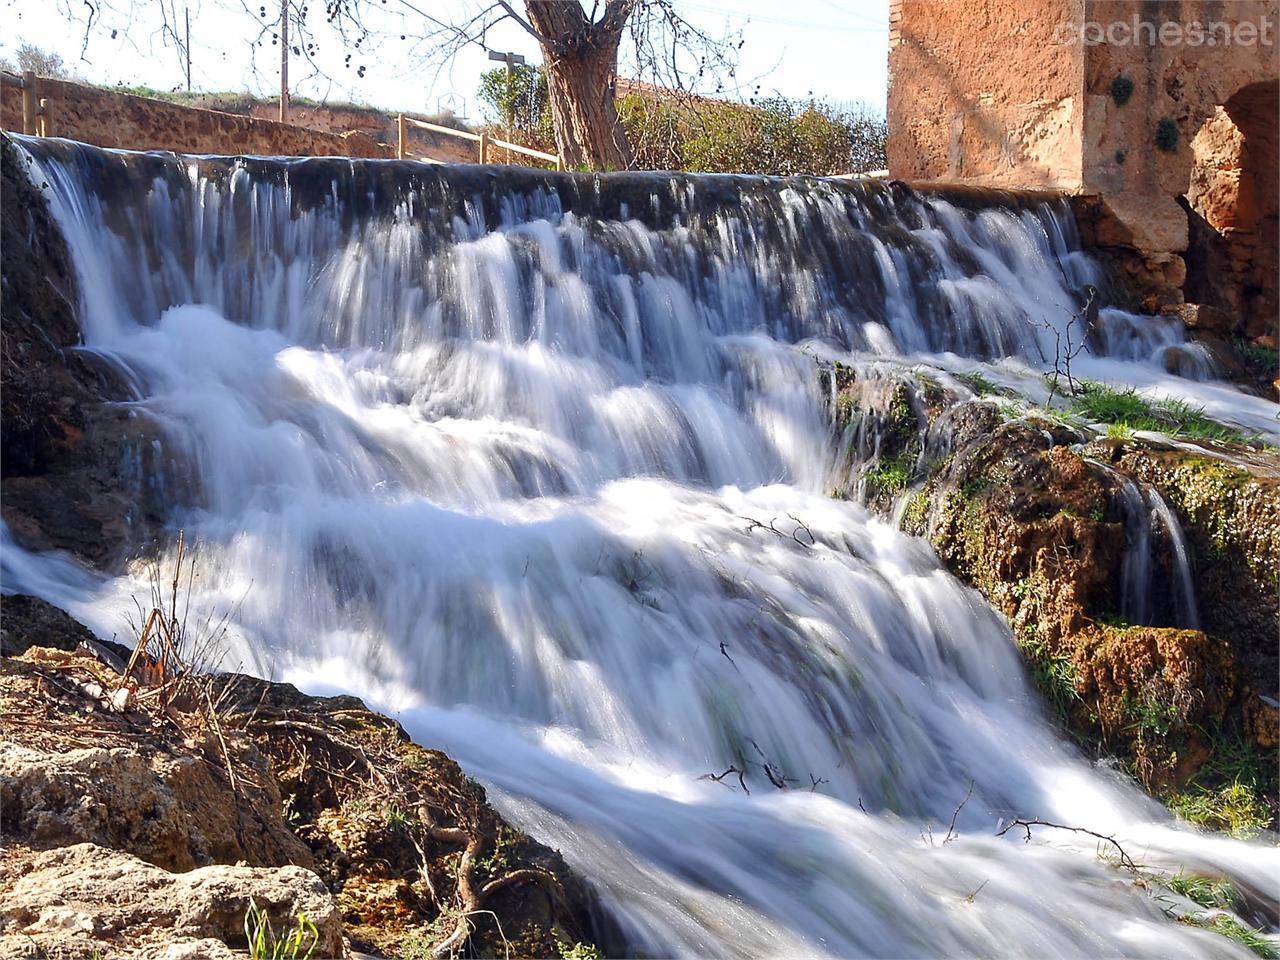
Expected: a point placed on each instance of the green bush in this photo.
(776, 136)
(523, 99)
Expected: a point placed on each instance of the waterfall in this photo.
(1144, 510)
(1188, 616)
(1135, 596)
(537, 463)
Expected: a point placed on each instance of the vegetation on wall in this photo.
(1121, 90)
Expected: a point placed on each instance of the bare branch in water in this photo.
(719, 777)
(951, 829)
(1125, 860)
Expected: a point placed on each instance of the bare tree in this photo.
(580, 49)
(580, 44)
(30, 57)
(581, 58)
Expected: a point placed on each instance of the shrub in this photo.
(524, 99)
(671, 131)
(776, 136)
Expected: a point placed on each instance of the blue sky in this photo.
(834, 49)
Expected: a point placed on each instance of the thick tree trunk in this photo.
(581, 60)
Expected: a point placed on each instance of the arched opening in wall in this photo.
(1234, 255)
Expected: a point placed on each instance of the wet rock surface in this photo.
(1040, 518)
(74, 463)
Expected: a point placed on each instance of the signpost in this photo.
(510, 59)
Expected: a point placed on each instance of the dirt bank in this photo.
(135, 830)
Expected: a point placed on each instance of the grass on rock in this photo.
(1127, 410)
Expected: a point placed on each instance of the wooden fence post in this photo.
(43, 126)
(400, 124)
(484, 146)
(28, 102)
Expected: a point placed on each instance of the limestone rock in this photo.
(1201, 317)
(74, 900)
(1147, 224)
(362, 803)
(165, 809)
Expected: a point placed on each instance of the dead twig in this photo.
(801, 525)
(719, 777)
(1125, 860)
(951, 829)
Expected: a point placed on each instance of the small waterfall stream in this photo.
(537, 462)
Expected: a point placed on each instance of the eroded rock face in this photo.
(76, 468)
(405, 847)
(165, 809)
(1040, 519)
(74, 900)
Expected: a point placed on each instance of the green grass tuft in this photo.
(1053, 674)
(297, 943)
(1230, 792)
(979, 384)
(1212, 893)
(890, 475)
(577, 951)
(1233, 929)
(1127, 410)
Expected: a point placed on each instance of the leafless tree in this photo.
(580, 43)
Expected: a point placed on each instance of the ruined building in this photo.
(1159, 116)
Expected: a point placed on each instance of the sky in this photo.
(829, 49)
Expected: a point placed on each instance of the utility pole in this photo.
(510, 59)
(186, 46)
(284, 61)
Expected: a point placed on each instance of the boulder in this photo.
(83, 899)
(1201, 317)
(171, 810)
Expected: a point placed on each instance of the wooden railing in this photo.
(483, 139)
(36, 110)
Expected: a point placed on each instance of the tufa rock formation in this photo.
(1041, 519)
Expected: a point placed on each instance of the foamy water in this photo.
(545, 474)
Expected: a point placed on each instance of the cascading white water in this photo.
(540, 465)
(1145, 511)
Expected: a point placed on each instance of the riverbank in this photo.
(145, 823)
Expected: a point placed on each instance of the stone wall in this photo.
(973, 97)
(107, 118)
(1134, 104)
